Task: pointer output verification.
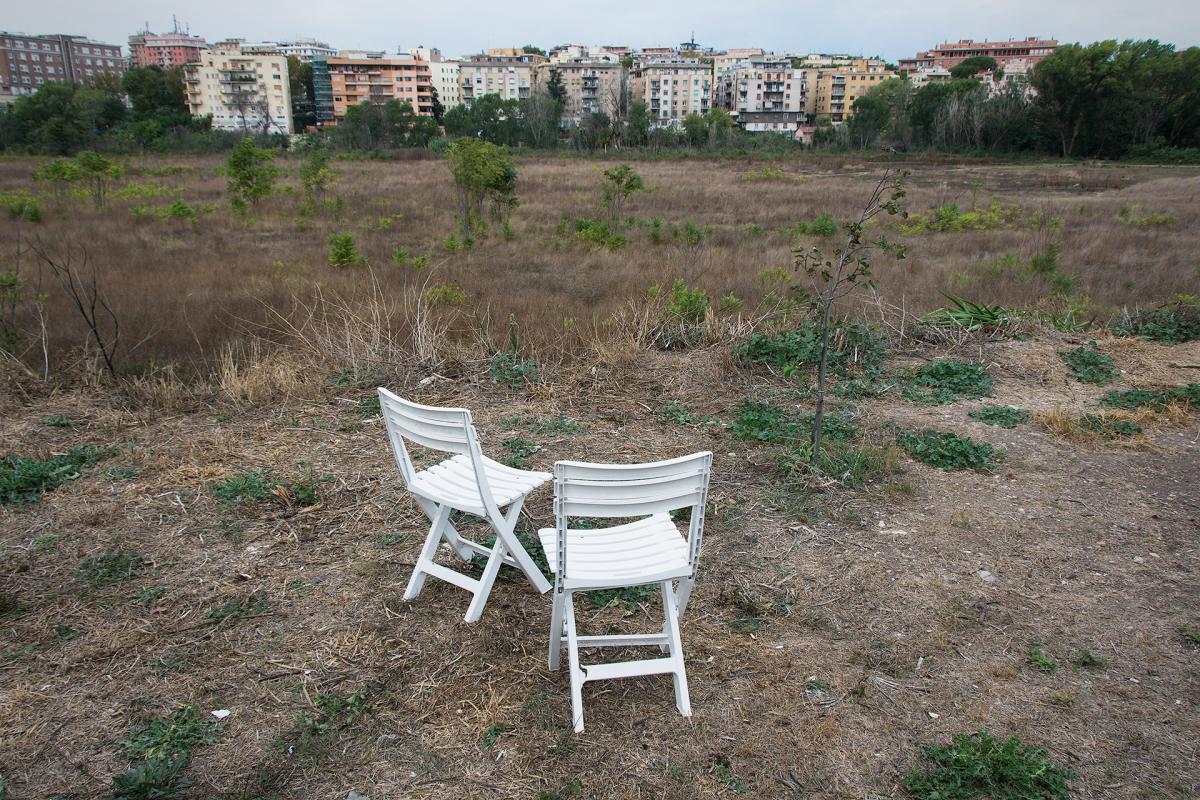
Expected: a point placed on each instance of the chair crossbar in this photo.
(629, 669)
(625, 640)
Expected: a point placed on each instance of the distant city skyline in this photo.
(864, 27)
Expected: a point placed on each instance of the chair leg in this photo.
(475, 610)
(440, 518)
(448, 530)
(577, 675)
(556, 631)
(505, 527)
(671, 612)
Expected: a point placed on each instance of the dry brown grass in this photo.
(186, 293)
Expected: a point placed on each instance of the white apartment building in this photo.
(673, 88)
(244, 87)
(443, 74)
(582, 52)
(306, 49)
(723, 62)
(762, 83)
(504, 72)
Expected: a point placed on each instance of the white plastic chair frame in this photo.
(648, 551)
(468, 481)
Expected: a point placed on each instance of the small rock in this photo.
(353, 795)
(1139, 560)
(882, 524)
(933, 715)
(986, 576)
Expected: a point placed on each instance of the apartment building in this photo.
(507, 72)
(27, 62)
(358, 77)
(243, 86)
(727, 60)
(582, 52)
(762, 83)
(673, 88)
(164, 50)
(831, 91)
(591, 87)
(444, 75)
(1031, 49)
(306, 49)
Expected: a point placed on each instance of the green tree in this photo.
(695, 130)
(251, 174)
(555, 88)
(439, 110)
(972, 66)
(482, 172)
(50, 121)
(145, 87)
(97, 171)
(490, 117)
(868, 121)
(929, 101)
(315, 174)
(618, 184)
(1073, 83)
(532, 50)
(720, 126)
(58, 173)
(637, 124)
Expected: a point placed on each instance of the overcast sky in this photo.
(869, 27)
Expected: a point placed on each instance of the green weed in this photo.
(946, 381)
(509, 369)
(1107, 427)
(445, 294)
(629, 596)
(1087, 660)
(247, 487)
(981, 766)
(57, 422)
(24, 480)
(1040, 660)
(517, 452)
(949, 451)
(236, 609)
(1174, 323)
(1089, 365)
(165, 737)
(1001, 416)
(113, 566)
(677, 412)
(1153, 398)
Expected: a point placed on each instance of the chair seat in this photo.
(452, 482)
(647, 550)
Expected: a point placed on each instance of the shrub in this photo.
(342, 250)
(689, 306)
(618, 184)
(981, 766)
(598, 234)
(947, 380)
(445, 294)
(1001, 416)
(21, 205)
(251, 176)
(949, 451)
(178, 210)
(820, 225)
(1128, 214)
(694, 235)
(951, 219)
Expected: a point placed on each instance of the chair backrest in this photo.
(448, 430)
(632, 490)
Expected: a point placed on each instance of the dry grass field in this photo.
(838, 624)
(182, 291)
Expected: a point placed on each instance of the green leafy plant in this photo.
(165, 737)
(57, 422)
(1109, 427)
(686, 305)
(1153, 398)
(251, 175)
(1173, 323)
(483, 172)
(677, 412)
(617, 185)
(1089, 365)
(761, 421)
(509, 369)
(1039, 660)
(1129, 215)
(517, 452)
(1087, 660)
(1001, 416)
(946, 381)
(113, 566)
(236, 609)
(342, 251)
(598, 234)
(979, 766)
(820, 225)
(249, 486)
(949, 451)
(160, 779)
(628, 596)
(970, 316)
(24, 480)
(445, 294)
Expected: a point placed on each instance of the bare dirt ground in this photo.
(824, 642)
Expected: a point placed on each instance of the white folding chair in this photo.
(648, 551)
(468, 481)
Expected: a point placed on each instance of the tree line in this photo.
(1103, 100)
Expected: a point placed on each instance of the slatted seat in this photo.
(650, 550)
(453, 482)
(467, 481)
(644, 551)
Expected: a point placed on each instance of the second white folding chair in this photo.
(650, 550)
(469, 481)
